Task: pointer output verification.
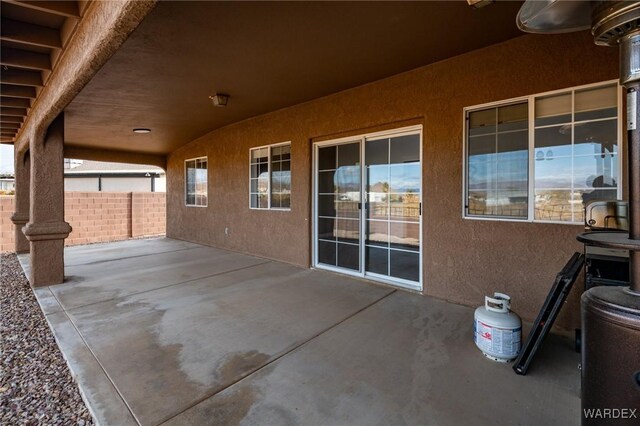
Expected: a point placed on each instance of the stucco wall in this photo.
(463, 259)
(99, 217)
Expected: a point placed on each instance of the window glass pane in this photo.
(595, 172)
(498, 163)
(405, 149)
(553, 142)
(347, 180)
(196, 182)
(276, 153)
(598, 137)
(589, 195)
(327, 252)
(481, 202)
(348, 230)
(405, 178)
(482, 122)
(325, 182)
(377, 260)
(254, 201)
(553, 173)
(513, 117)
(377, 152)
(600, 102)
(377, 233)
(286, 152)
(482, 173)
(405, 236)
(276, 202)
(404, 207)
(327, 158)
(326, 228)
(347, 205)
(254, 171)
(404, 265)
(348, 256)
(555, 204)
(553, 109)
(260, 155)
(285, 198)
(482, 145)
(348, 154)
(326, 205)
(263, 201)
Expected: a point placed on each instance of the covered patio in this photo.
(162, 331)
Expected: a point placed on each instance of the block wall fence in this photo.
(99, 217)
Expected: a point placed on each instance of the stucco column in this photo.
(20, 215)
(47, 229)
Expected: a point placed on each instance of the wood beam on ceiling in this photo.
(61, 8)
(21, 77)
(6, 126)
(25, 59)
(29, 34)
(3, 133)
(15, 102)
(17, 91)
(13, 112)
(10, 119)
(7, 140)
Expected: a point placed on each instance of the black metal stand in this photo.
(555, 299)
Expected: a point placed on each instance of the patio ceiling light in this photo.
(141, 130)
(219, 100)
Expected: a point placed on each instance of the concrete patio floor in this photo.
(161, 331)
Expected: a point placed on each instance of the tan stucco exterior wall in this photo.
(463, 259)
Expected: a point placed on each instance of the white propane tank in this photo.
(498, 331)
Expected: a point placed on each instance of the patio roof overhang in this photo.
(266, 56)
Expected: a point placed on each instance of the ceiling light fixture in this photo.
(219, 100)
(477, 4)
(141, 130)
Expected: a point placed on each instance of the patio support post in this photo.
(47, 229)
(20, 216)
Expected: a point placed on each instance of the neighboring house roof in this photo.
(95, 167)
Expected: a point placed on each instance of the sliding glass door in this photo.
(368, 207)
(338, 206)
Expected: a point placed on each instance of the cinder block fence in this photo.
(99, 217)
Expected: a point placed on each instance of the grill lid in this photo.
(607, 215)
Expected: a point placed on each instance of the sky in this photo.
(6, 158)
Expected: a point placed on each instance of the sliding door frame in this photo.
(362, 139)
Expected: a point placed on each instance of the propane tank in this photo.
(498, 331)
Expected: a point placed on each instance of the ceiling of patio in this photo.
(266, 56)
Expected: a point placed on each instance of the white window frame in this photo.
(531, 131)
(186, 177)
(269, 148)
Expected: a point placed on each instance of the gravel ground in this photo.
(36, 387)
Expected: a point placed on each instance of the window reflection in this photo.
(270, 177)
(196, 182)
(498, 153)
(577, 161)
